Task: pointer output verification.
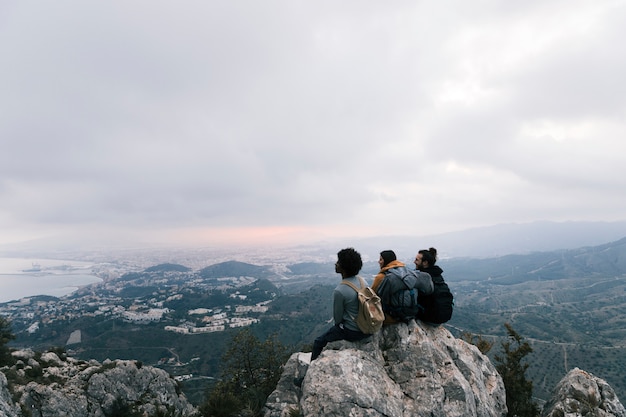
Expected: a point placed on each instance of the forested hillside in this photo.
(570, 305)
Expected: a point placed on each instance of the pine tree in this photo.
(519, 390)
(6, 335)
(481, 343)
(251, 370)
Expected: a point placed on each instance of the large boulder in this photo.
(48, 386)
(7, 408)
(399, 372)
(580, 394)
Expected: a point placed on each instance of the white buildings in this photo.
(154, 314)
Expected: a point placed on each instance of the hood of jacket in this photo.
(391, 265)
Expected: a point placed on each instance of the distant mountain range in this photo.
(499, 240)
(480, 242)
(606, 260)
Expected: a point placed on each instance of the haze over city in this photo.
(229, 122)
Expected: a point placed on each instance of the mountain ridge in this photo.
(482, 241)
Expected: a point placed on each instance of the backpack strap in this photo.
(351, 285)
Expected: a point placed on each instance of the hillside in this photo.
(571, 305)
(605, 260)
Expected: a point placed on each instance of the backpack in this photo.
(400, 291)
(370, 317)
(437, 306)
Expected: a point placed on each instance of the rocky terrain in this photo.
(425, 371)
(399, 372)
(44, 385)
(580, 393)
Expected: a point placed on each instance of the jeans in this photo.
(337, 332)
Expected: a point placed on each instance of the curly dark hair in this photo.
(350, 261)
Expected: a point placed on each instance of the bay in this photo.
(20, 277)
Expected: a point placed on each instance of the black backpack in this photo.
(438, 306)
(400, 290)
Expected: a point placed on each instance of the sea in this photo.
(21, 277)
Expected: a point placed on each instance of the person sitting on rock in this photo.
(386, 261)
(345, 303)
(436, 307)
(399, 289)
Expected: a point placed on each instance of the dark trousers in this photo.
(337, 332)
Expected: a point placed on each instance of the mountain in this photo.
(570, 304)
(168, 268)
(606, 260)
(499, 240)
(482, 242)
(235, 269)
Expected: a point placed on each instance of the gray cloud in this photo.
(346, 118)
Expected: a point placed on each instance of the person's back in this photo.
(346, 303)
(387, 261)
(400, 291)
(438, 306)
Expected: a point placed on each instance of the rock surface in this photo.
(580, 394)
(7, 409)
(47, 386)
(396, 373)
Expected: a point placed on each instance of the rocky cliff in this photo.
(580, 393)
(422, 372)
(44, 385)
(396, 373)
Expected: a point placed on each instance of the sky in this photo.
(215, 122)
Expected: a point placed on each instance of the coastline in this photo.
(14, 287)
(22, 278)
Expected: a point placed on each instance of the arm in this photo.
(424, 283)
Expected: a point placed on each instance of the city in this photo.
(147, 297)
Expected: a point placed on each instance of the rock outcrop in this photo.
(48, 386)
(395, 373)
(580, 393)
(6, 403)
(399, 372)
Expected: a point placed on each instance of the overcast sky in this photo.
(213, 121)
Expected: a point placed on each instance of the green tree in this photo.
(477, 340)
(250, 371)
(6, 335)
(509, 365)
(249, 363)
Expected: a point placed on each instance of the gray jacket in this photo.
(401, 278)
(346, 304)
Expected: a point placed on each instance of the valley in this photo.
(570, 306)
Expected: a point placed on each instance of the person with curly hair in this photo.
(345, 303)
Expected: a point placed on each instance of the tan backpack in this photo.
(370, 317)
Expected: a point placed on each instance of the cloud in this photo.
(337, 118)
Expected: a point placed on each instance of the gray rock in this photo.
(51, 358)
(74, 388)
(23, 354)
(580, 393)
(7, 408)
(395, 373)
